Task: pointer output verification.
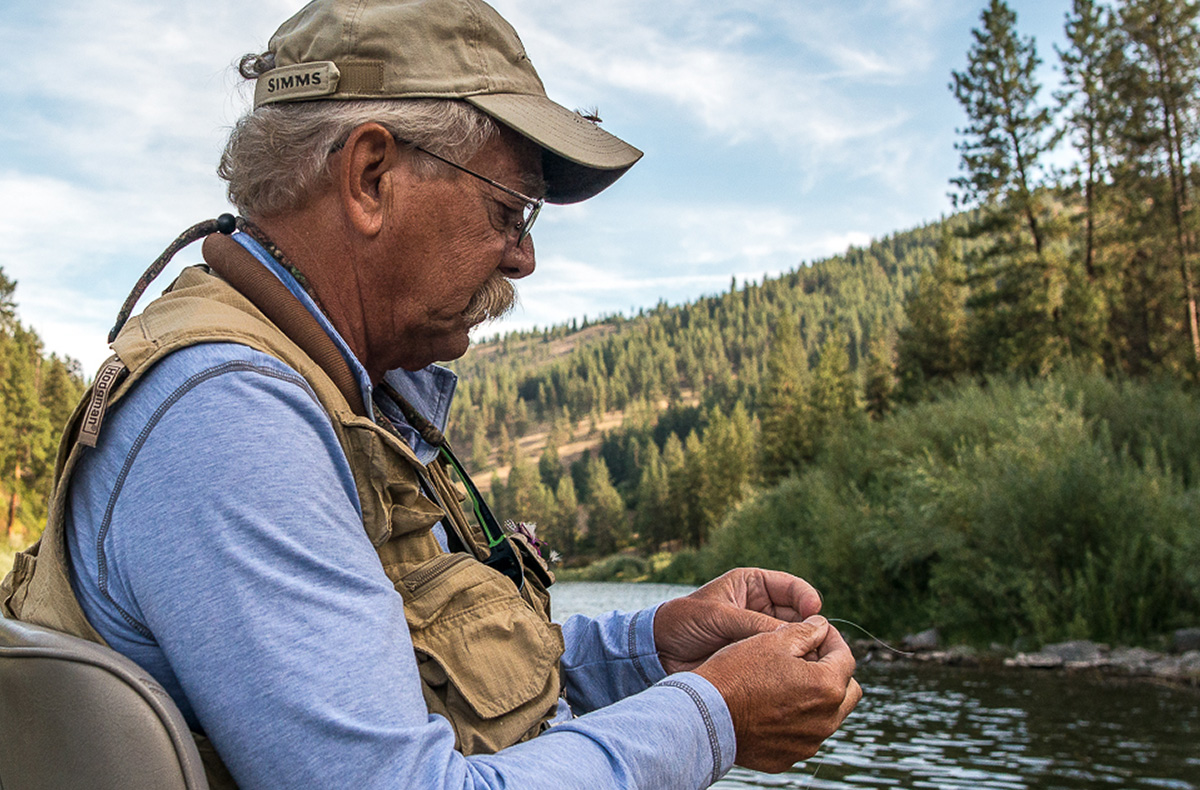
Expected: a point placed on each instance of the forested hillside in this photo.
(669, 372)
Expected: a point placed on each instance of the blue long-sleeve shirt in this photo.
(216, 539)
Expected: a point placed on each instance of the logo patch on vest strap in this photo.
(111, 373)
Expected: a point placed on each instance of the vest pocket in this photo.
(388, 485)
(488, 662)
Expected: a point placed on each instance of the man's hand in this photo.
(784, 704)
(740, 604)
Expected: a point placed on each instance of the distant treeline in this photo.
(38, 391)
(715, 348)
(694, 383)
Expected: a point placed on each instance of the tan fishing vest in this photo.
(487, 654)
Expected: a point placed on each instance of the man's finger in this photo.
(738, 624)
(834, 642)
(854, 693)
(788, 597)
(835, 652)
(806, 636)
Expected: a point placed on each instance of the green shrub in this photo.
(1060, 508)
(615, 568)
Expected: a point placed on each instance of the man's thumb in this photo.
(808, 635)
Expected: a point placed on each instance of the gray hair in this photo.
(277, 156)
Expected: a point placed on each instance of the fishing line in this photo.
(877, 640)
(813, 778)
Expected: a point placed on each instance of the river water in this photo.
(944, 727)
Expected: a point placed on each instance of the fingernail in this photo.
(816, 620)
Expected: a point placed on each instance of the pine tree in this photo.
(783, 405)
(693, 494)
(932, 346)
(1017, 282)
(506, 448)
(8, 304)
(1007, 131)
(834, 393)
(674, 523)
(526, 498)
(608, 524)
(880, 386)
(60, 391)
(1088, 67)
(653, 512)
(550, 466)
(479, 448)
(563, 529)
(30, 436)
(728, 447)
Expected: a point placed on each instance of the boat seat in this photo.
(75, 715)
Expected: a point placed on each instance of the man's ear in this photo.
(360, 174)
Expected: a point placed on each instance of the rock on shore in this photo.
(1127, 661)
(1180, 666)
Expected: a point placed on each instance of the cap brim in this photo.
(580, 159)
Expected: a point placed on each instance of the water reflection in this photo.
(950, 728)
(932, 727)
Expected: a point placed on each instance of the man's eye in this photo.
(510, 216)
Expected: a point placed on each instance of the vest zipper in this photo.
(433, 568)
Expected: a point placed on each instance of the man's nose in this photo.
(519, 260)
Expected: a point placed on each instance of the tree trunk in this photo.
(1089, 196)
(14, 500)
(1177, 173)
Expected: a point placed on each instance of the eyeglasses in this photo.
(533, 206)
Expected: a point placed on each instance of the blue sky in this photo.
(776, 132)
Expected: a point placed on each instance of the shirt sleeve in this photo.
(234, 539)
(609, 657)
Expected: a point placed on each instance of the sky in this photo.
(776, 132)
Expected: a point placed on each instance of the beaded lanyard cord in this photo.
(226, 224)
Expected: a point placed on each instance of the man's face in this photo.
(451, 252)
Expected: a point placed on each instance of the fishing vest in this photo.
(487, 653)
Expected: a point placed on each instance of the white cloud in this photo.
(757, 238)
(788, 75)
(112, 114)
(76, 250)
(578, 277)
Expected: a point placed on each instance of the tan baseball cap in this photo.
(452, 49)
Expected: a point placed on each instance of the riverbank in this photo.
(1177, 663)
(1180, 665)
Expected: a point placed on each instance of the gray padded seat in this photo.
(78, 715)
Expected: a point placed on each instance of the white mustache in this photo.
(495, 298)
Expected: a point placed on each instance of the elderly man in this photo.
(257, 505)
